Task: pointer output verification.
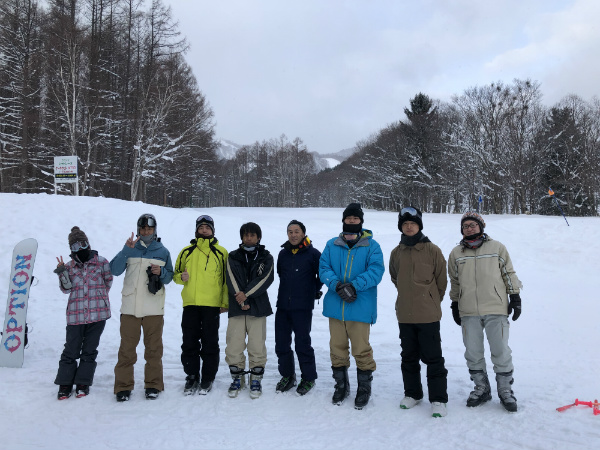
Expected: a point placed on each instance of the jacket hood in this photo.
(363, 241)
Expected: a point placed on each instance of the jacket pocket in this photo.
(423, 273)
(500, 297)
(131, 276)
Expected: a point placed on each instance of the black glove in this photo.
(318, 295)
(514, 304)
(154, 283)
(455, 313)
(346, 291)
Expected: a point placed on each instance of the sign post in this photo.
(65, 171)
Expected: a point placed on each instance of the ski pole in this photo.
(551, 194)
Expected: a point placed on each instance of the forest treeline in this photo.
(107, 80)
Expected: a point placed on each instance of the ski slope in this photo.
(555, 344)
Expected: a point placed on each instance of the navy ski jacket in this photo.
(298, 277)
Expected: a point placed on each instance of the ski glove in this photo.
(318, 295)
(63, 276)
(154, 283)
(455, 313)
(514, 305)
(346, 291)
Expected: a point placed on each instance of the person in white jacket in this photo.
(482, 280)
(147, 266)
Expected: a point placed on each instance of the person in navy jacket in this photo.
(351, 266)
(299, 286)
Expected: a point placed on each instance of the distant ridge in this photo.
(227, 149)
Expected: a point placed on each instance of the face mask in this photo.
(353, 228)
(84, 254)
(147, 239)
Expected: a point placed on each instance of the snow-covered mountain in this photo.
(330, 160)
(227, 149)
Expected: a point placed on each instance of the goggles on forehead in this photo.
(204, 219)
(409, 211)
(147, 222)
(76, 246)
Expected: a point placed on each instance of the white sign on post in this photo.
(65, 171)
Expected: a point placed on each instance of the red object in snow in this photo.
(595, 405)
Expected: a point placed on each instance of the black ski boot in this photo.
(64, 391)
(191, 384)
(342, 385)
(123, 396)
(286, 383)
(482, 391)
(363, 392)
(82, 390)
(507, 397)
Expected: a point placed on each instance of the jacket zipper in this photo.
(346, 273)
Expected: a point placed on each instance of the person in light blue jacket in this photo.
(351, 266)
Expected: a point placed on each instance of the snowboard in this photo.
(21, 275)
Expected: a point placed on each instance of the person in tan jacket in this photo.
(418, 270)
(482, 281)
(148, 268)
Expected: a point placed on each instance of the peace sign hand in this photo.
(60, 262)
(130, 242)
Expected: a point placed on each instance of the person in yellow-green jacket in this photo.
(200, 268)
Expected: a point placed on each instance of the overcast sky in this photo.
(334, 72)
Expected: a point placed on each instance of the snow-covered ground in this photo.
(555, 344)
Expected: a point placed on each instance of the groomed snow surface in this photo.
(555, 344)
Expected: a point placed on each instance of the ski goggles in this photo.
(205, 219)
(146, 221)
(76, 246)
(409, 211)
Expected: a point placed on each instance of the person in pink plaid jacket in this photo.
(87, 279)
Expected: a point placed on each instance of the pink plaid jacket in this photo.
(88, 297)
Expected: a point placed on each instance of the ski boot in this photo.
(342, 385)
(363, 392)
(256, 374)
(482, 391)
(238, 383)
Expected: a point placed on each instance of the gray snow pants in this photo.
(496, 329)
(81, 344)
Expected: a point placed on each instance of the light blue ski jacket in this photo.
(362, 265)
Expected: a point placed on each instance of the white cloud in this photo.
(333, 72)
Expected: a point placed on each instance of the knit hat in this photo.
(353, 209)
(300, 224)
(472, 215)
(411, 214)
(76, 235)
(206, 220)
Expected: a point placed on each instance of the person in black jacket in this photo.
(249, 275)
(299, 286)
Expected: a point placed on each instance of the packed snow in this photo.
(555, 344)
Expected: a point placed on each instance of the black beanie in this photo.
(409, 216)
(353, 209)
(300, 224)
